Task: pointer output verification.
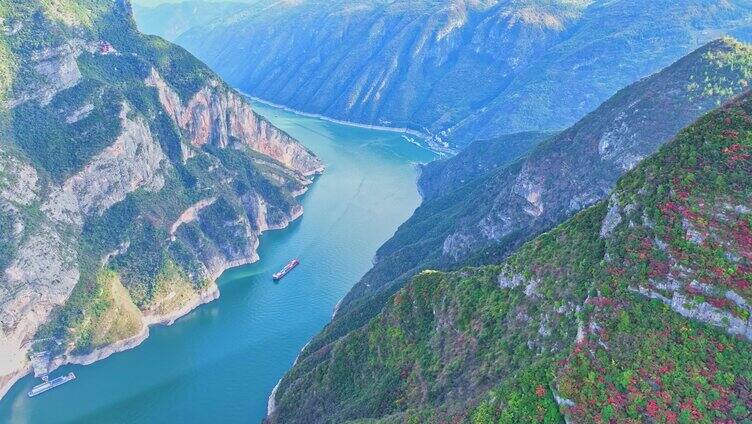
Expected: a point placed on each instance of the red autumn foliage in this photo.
(601, 301)
(665, 368)
(670, 209)
(720, 404)
(404, 373)
(730, 134)
(718, 303)
(617, 399)
(693, 290)
(658, 268)
(743, 237)
(616, 272)
(734, 148)
(540, 391)
(690, 406)
(652, 409)
(671, 417)
(741, 157)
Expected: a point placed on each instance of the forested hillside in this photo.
(636, 309)
(458, 70)
(493, 213)
(131, 176)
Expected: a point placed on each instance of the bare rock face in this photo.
(58, 70)
(220, 117)
(134, 161)
(41, 277)
(19, 180)
(161, 195)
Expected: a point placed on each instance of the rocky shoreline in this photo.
(435, 144)
(208, 295)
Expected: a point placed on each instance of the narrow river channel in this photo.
(220, 362)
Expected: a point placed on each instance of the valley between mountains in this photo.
(520, 211)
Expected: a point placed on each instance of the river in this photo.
(220, 362)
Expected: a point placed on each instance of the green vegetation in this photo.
(7, 69)
(647, 363)
(486, 218)
(59, 123)
(59, 147)
(99, 311)
(716, 80)
(562, 316)
(7, 243)
(110, 317)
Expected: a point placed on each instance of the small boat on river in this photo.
(51, 384)
(286, 270)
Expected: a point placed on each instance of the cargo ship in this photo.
(51, 384)
(286, 270)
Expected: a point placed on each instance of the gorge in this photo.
(501, 211)
(240, 345)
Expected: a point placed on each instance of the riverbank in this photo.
(223, 360)
(435, 145)
(210, 294)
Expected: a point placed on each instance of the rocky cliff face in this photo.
(458, 70)
(485, 219)
(130, 178)
(635, 309)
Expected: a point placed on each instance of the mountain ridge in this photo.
(535, 66)
(149, 177)
(615, 315)
(650, 112)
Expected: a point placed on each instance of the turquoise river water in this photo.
(220, 362)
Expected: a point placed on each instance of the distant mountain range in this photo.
(458, 70)
(635, 309)
(171, 20)
(481, 205)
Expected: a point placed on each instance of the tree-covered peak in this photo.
(636, 309)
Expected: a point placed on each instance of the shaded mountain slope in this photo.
(636, 309)
(459, 70)
(480, 158)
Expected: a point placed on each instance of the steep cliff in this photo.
(487, 218)
(131, 176)
(457, 69)
(636, 309)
